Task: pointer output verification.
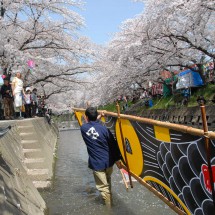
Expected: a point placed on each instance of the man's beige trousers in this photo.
(103, 183)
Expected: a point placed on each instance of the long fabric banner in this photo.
(172, 162)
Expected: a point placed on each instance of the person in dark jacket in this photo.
(103, 152)
(34, 102)
(7, 97)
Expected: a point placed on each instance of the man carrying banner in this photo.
(103, 152)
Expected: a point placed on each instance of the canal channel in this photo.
(74, 192)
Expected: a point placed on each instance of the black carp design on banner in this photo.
(181, 164)
(172, 162)
(177, 168)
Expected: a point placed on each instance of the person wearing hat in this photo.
(6, 92)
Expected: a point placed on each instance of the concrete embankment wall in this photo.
(26, 160)
(181, 115)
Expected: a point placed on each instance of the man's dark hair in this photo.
(91, 113)
(6, 79)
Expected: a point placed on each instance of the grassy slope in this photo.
(207, 92)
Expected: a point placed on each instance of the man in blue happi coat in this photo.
(103, 152)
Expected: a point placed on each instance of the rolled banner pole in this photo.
(181, 128)
(158, 194)
(124, 180)
(124, 146)
(208, 149)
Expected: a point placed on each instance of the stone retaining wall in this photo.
(181, 115)
(26, 159)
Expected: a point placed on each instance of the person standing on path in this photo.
(18, 92)
(6, 92)
(103, 153)
(34, 102)
(28, 102)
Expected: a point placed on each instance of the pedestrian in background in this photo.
(34, 102)
(28, 102)
(18, 93)
(6, 92)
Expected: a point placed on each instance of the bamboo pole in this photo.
(124, 180)
(156, 193)
(124, 146)
(208, 150)
(176, 127)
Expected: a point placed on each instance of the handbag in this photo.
(23, 108)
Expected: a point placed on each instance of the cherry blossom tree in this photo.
(45, 32)
(168, 35)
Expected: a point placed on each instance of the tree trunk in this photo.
(2, 12)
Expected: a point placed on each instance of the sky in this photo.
(103, 17)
